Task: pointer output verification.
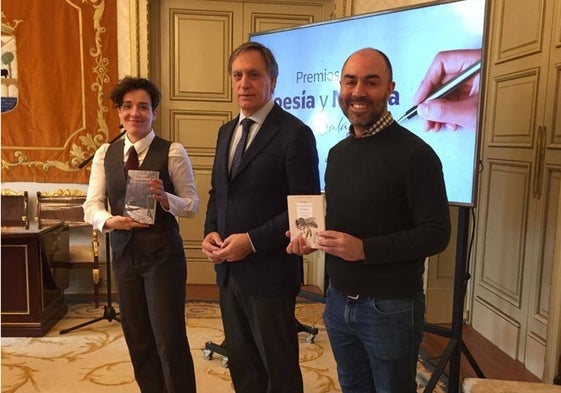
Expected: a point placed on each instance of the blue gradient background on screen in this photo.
(411, 38)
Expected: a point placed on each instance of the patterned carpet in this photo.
(94, 359)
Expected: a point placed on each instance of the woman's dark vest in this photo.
(164, 233)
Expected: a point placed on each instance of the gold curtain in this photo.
(59, 64)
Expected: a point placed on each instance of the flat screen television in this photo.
(310, 59)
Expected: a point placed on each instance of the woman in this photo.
(149, 260)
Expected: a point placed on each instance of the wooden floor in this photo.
(494, 363)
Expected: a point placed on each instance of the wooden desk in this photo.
(31, 302)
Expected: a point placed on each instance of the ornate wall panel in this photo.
(201, 42)
(364, 6)
(504, 279)
(197, 129)
(200, 271)
(64, 67)
(440, 275)
(549, 220)
(497, 326)
(262, 17)
(555, 102)
(514, 108)
(522, 35)
(264, 21)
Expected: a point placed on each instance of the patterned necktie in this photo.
(240, 148)
(132, 160)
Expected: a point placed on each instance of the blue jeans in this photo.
(375, 341)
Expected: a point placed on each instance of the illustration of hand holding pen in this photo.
(449, 93)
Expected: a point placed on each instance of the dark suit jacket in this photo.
(281, 160)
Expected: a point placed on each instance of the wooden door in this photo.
(192, 40)
(520, 182)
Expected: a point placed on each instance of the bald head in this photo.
(366, 85)
(370, 55)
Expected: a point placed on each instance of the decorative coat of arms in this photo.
(9, 59)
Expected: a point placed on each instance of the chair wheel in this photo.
(207, 354)
(310, 338)
(225, 362)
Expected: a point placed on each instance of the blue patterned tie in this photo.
(240, 148)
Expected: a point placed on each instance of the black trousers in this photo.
(152, 311)
(261, 340)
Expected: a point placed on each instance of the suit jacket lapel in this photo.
(223, 147)
(270, 127)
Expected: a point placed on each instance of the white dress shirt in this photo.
(258, 118)
(185, 202)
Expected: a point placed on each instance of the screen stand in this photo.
(456, 346)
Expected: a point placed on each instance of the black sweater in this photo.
(388, 190)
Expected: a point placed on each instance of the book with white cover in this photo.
(306, 217)
(139, 203)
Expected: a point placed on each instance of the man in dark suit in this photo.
(246, 223)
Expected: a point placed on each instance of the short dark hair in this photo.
(129, 83)
(270, 62)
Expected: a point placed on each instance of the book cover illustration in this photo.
(306, 216)
(139, 204)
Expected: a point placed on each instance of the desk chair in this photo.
(66, 206)
(211, 347)
(14, 208)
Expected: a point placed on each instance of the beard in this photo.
(367, 119)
